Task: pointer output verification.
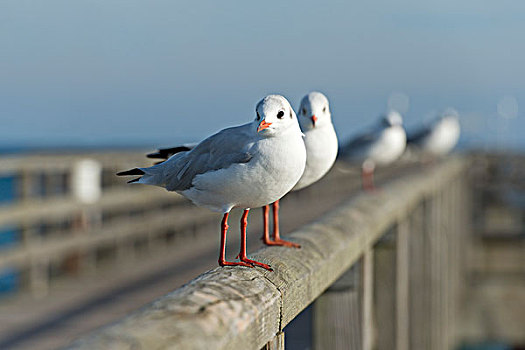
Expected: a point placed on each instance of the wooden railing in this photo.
(384, 271)
(52, 224)
(50, 175)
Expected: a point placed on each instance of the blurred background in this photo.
(127, 73)
(87, 87)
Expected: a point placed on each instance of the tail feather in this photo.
(149, 176)
(135, 171)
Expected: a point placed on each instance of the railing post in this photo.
(86, 256)
(385, 291)
(447, 236)
(419, 288)
(438, 233)
(435, 268)
(458, 211)
(337, 314)
(402, 285)
(277, 343)
(86, 188)
(432, 229)
(26, 185)
(39, 278)
(391, 303)
(368, 299)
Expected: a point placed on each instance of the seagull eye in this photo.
(280, 115)
(291, 115)
(304, 111)
(258, 116)
(324, 109)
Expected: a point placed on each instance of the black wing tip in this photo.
(154, 155)
(135, 171)
(134, 180)
(165, 153)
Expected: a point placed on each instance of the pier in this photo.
(433, 260)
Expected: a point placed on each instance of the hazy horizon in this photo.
(130, 72)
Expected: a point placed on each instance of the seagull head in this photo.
(314, 111)
(274, 114)
(392, 118)
(449, 115)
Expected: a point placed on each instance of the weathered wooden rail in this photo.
(53, 224)
(383, 271)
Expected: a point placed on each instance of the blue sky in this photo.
(158, 72)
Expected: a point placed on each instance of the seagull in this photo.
(440, 137)
(321, 151)
(384, 144)
(246, 166)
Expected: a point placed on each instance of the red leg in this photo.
(266, 232)
(275, 212)
(242, 254)
(222, 260)
(276, 237)
(266, 235)
(367, 178)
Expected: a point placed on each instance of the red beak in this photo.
(263, 125)
(314, 119)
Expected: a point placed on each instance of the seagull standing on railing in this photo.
(321, 151)
(247, 166)
(438, 138)
(384, 144)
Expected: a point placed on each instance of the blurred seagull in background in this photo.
(321, 144)
(438, 138)
(383, 145)
(247, 166)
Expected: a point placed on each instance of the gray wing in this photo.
(218, 151)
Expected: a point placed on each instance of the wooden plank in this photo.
(36, 210)
(438, 281)
(277, 343)
(337, 314)
(418, 273)
(44, 163)
(457, 210)
(385, 276)
(402, 303)
(121, 230)
(246, 307)
(368, 300)
(39, 278)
